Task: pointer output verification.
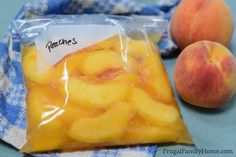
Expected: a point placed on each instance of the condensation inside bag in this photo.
(95, 81)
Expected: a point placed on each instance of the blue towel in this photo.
(12, 89)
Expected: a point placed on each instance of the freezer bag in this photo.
(94, 81)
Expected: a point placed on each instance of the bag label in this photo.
(50, 45)
(57, 41)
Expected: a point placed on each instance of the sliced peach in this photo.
(101, 61)
(129, 78)
(73, 111)
(98, 95)
(139, 131)
(42, 105)
(66, 68)
(162, 88)
(154, 74)
(45, 137)
(43, 120)
(151, 68)
(143, 133)
(28, 50)
(30, 69)
(139, 48)
(149, 134)
(104, 128)
(152, 110)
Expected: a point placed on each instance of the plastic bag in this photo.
(95, 81)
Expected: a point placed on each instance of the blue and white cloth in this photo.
(12, 89)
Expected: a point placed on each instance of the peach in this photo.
(42, 107)
(29, 64)
(99, 95)
(106, 127)
(140, 131)
(205, 74)
(151, 110)
(98, 62)
(197, 20)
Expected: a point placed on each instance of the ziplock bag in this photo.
(94, 81)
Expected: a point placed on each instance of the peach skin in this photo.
(205, 74)
(196, 20)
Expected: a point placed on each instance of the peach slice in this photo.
(29, 65)
(66, 68)
(101, 61)
(44, 113)
(39, 140)
(139, 48)
(151, 68)
(98, 95)
(129, 78)
(152, 110)
(106, 127)
(42, 105)
(155, 75)
(73, 111)
(141, 132)
(28, 50)
(149, 134)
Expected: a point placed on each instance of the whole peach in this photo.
(205, 74)
(196, 20)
